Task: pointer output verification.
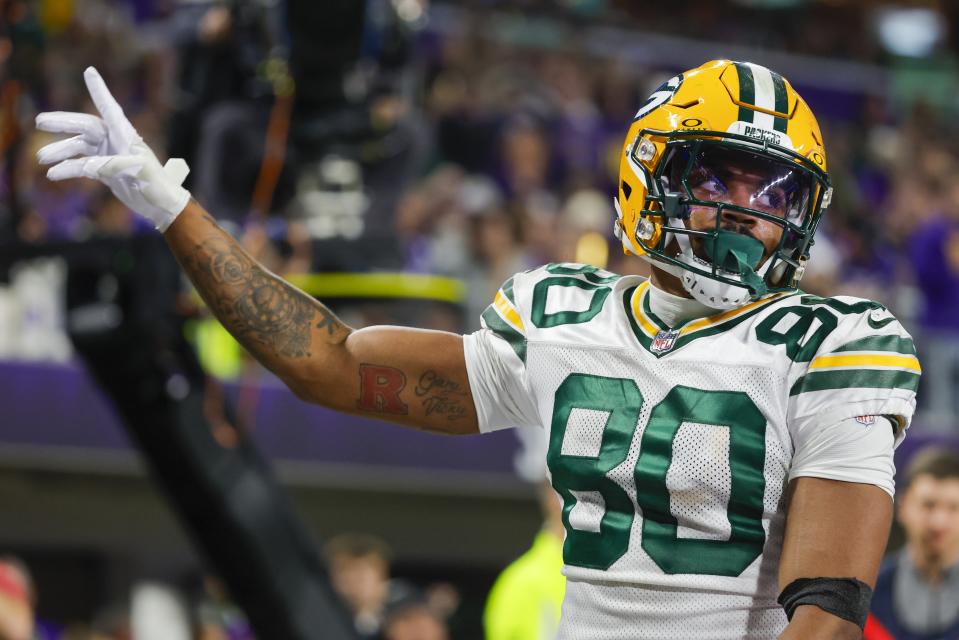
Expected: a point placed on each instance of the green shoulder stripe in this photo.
(591, 273)
(894, 344)
(845, 308)
(498, 326)
(508, 291)
(855, 378)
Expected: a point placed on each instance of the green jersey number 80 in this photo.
(621, 401)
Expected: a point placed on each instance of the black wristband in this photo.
(847, 598)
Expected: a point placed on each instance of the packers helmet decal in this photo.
(696, 125)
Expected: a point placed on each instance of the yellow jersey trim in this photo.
(508, 311)
(866, 361)
(703, 323)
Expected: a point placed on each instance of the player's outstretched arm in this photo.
(409, 376)
(833, 530)
(416, 378)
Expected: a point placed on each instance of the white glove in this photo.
(110, 150)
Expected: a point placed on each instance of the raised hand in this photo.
(109, 149)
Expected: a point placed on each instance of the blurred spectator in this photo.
(217, 617)
(219, 45)
(934, 255)
(498, 253)
(360, 572)
(582, 236)
(917, 593)
(410, 617)
(579, 131)
(527, 158)
(16, 600)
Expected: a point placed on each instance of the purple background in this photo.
(56, 405)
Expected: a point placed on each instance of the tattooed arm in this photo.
(408, 376)
(416, 378)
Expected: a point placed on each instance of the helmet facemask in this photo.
(721, 264)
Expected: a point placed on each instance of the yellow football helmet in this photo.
(720, 114)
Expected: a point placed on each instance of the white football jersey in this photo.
(672, 449)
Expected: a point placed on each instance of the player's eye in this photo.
(772, 199)
(783, 196)
(707, 182)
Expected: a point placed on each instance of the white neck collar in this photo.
(675, 310)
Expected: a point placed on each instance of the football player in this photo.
(722, 442)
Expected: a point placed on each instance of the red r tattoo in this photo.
(380, 389)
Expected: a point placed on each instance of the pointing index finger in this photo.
(121, 131)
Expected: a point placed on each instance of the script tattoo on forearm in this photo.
(267, 315)
(441, 395)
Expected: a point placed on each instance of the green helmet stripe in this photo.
(747, 91)
(782, 101)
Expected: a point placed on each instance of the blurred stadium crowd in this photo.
(481, 139)
(200, 608)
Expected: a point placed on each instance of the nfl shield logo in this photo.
(664, 341)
